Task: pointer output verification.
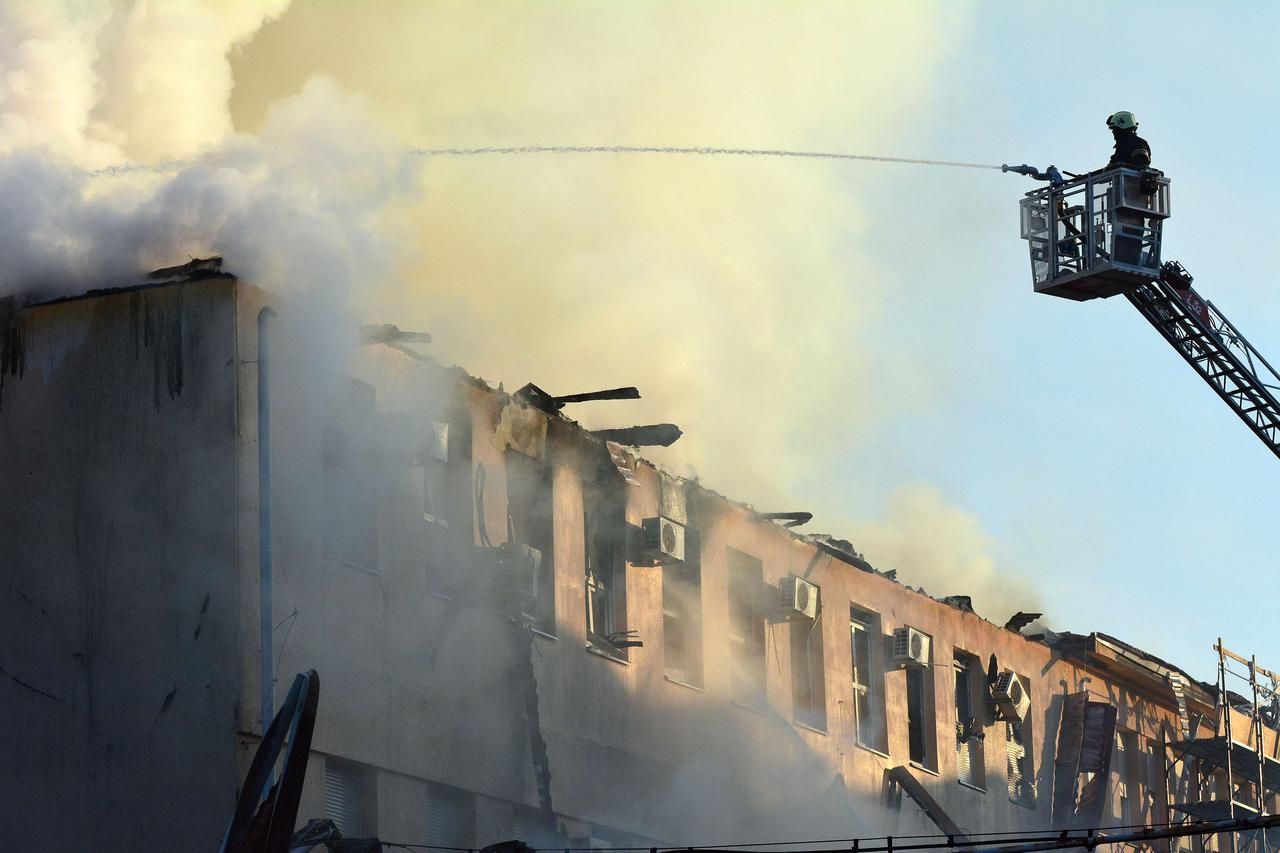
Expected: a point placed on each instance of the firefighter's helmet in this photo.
(1122, 120)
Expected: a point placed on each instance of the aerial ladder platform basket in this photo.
(1096, 235)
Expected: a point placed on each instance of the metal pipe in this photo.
(264, 521)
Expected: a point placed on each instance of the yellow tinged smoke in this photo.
(730, 291)
(733, 292)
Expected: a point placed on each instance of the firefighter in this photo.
(1131, 149)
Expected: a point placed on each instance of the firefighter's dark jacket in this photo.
(1131, 150)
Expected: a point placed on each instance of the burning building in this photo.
(523, 628)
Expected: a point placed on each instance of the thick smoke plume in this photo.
(732, 292)
(944, 549)
(297, 207)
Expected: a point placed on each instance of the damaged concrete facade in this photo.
(508, 644)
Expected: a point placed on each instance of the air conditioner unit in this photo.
(910, 647)
(799, 598)
(662, 540)
(1010, 695)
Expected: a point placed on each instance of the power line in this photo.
(699, 150)
(1029, 841)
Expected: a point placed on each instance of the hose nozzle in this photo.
(1050, 174)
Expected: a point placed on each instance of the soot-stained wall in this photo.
(118, 597)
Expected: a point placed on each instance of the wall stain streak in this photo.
(18, 681)
(160, 327)
(13, 348)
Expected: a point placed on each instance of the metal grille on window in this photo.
(1015, 756)
(342, 798)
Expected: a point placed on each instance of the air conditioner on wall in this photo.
(799, 598)
(661, 540)
(910, 647)
(1010, 695)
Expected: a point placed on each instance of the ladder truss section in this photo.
(1212, 345)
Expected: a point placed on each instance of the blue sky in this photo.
(1101, 463)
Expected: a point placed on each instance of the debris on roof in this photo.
(963, 603)
(788, 519)
(539, 399)
(193, 269)
(623, 462)
(389, 333)
(1020, 620)
(841, 549)
(660, 435)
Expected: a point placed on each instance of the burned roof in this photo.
(196, 269)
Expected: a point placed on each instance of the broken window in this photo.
(349, 478)
(921, 737)
(868, 680)
(349, 797)
(969, 734)
(451, 817)
(529, 521)
(604, 537)
(682, 613)
(808, 687)
(746, 628)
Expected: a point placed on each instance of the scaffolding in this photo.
(1234, 772)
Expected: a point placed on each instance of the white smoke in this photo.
(944, 550)
(298, 205)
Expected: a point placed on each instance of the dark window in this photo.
(682, 613)
(868, 680)
(746, 627)
(808, 682)
(529, 518)
(350, 478)
(969, 765)
(349, 797)
(451, 817)
(604, 537)
(921, 738)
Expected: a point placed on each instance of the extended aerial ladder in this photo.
(1099, 235)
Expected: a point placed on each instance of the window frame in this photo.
(967, 702)
(746, 629)
(809, 697)
(924, 719)
(682, 610)
(531, 523)
(872, 724)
